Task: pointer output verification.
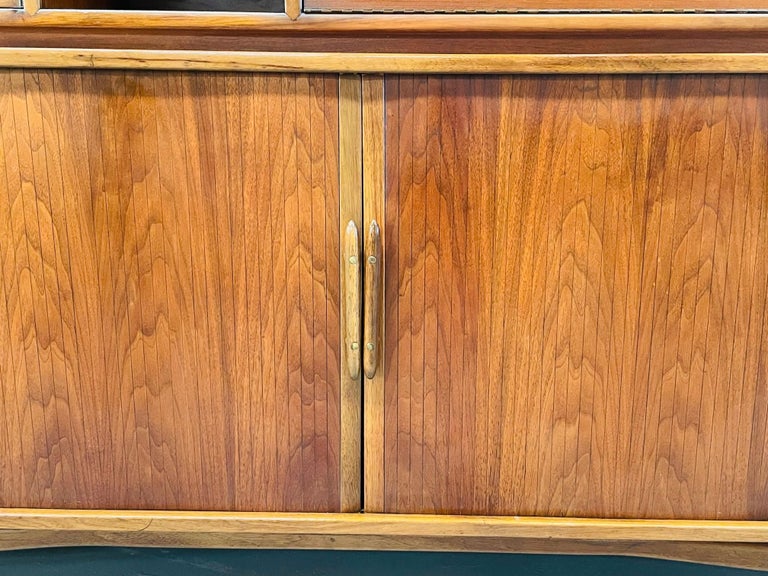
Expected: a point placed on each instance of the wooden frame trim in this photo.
(9, 4)
(384, 63)
(31, 7)
(350, 208)
(373, 207)
(293, 8)
(392, 525)
(737, 543)
(600, 23)
(531, 6)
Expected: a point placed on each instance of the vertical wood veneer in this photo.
(351, 210)
(373, 193)
(169, 294)
(576, 286)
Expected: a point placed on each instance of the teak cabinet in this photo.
(309, 279)
(559, 312)
(484, 275)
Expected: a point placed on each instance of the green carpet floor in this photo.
(162, 562)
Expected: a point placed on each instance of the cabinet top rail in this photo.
(751, 21)
(618, 42)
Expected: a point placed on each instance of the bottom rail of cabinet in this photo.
(741, 544)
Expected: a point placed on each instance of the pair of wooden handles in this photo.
(370, 270)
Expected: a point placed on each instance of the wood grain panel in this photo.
(169, 334)
(575, 296)
(373, 206)
(351, 210)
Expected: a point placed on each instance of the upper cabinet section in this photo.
(502, 6)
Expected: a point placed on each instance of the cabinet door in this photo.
(575, 297)
(169, 294)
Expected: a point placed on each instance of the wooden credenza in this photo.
(494, 300)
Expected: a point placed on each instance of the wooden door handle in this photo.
(372, 299)
(352, 299)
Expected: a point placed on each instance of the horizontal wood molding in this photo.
(383, 63)
(401, 526)
(553, 34)
(382, 24)
(462, 6)
(736, 544)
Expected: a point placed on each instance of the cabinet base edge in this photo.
(742, 544)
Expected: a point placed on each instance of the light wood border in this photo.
(350, 208)
(31, 7)
(401, 23)
(741, 544)
(9, 4)
(531, 6)
(384, 63)
(373, 208)
(293, 9)
(392, 525)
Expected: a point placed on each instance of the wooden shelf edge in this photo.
(401, 526)
(738, 543)
(533, 6)
(294, 21)
(384, 63)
